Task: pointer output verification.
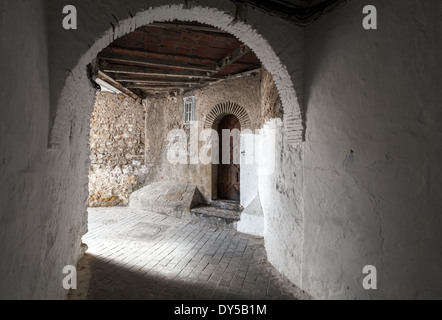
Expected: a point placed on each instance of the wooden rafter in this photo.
(161, 82)
(141, 71)
(163, 87)
(106, 78)
(160, 55)
(193, 27)
(120, 58)
(232, 57)
(135, 78)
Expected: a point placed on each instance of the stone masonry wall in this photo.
(271, 102)
(117, 150)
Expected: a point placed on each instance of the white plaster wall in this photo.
(249, 176)
(280, 191)
(252, 218)
(379, 205)
(376, 93)
(39, 228)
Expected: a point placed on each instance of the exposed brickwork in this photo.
(225, 109)
(271, 103)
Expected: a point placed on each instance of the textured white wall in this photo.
(249, 177)
(376, 93)
(40, 220)
(281, 194)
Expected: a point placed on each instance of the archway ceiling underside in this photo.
(172, 57)
(299, 12)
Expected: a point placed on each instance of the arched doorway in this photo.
(74, 99)
(229, 181)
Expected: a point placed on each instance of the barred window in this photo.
(189, 110)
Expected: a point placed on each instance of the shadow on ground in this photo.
(101, 279)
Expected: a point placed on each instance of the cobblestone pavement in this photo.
(136, 255)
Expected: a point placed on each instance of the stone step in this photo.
(216, 217)
(226, 205)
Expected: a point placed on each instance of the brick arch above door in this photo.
(225, 108)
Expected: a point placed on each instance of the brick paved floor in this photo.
(139, 255)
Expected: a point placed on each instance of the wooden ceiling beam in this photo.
(205, 62)
(189, 27)
(153, 82)
(166, 91)
(142, 71)
(106, 78)
(164, 87)
(232, 57)
(147, 54)
(121, 58)
(156, 78)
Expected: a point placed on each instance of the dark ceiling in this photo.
(300, 12)
(300, 3)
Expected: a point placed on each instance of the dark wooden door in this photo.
(229, 173)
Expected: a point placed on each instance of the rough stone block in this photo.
(168, 197)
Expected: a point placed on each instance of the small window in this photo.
(189, 110)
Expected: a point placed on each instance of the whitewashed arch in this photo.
(293, 126)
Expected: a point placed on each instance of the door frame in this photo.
(216, 167)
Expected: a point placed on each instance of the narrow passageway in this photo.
(332, 108)
(134, 254)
